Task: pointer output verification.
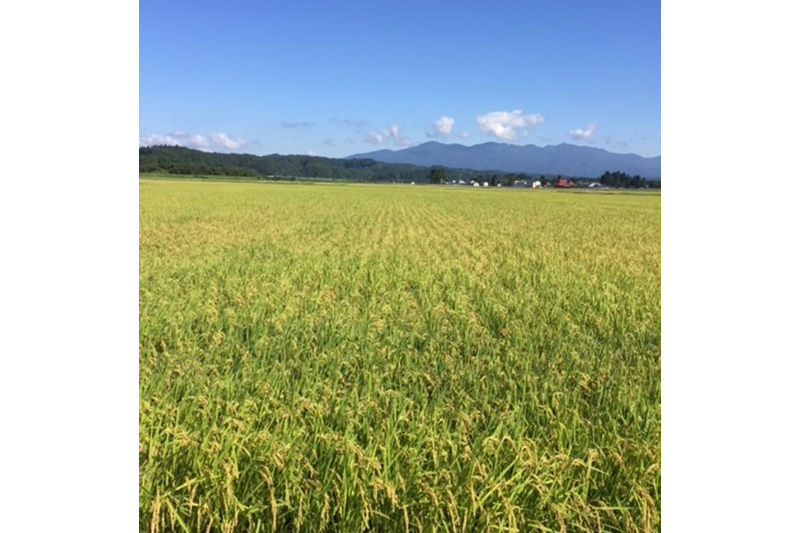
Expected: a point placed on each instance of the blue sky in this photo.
(338, 78)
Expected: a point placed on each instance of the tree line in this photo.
(626, 181)
(186, 161)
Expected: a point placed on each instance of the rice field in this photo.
(397, 358)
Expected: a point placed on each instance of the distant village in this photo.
(609, 180)
(561, 183)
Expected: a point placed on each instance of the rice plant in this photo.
(388, 358)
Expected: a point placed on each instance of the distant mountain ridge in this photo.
(564, 159)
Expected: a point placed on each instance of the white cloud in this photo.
(390, 134)
(176, 138)
(376, 137)
(464, 135)
(442, 127)
(583, 134)
(223, 140)
(508, 126)
(195, 141)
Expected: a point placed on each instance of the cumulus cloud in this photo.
(176, 138)
(508, 126)
(442, 127)
(586, 134)
(464, 135)
(220, 139)
(214, 141)
(391, 134)
(376, 137)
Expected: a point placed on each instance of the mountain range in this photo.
(564, 159)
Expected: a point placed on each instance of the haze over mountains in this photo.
(565, 159)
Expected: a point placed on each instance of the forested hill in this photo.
(563, 159)
(179, 160)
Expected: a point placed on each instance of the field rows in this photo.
(348, 358)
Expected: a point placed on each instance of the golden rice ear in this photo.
(378, 358)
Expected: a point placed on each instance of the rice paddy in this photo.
(397, 358)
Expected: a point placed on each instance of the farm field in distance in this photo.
(330, 357)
